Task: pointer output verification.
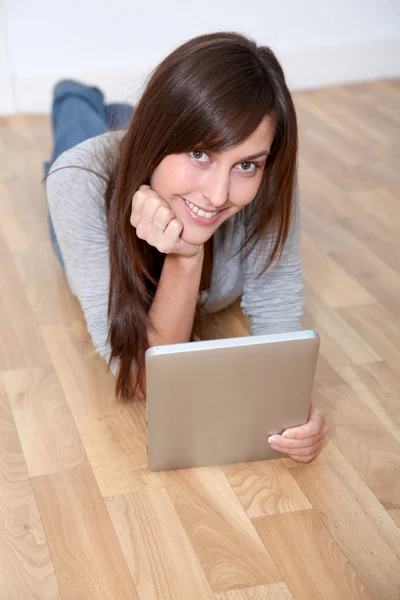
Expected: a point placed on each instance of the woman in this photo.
(190, 208)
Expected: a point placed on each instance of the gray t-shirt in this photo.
(274, 301)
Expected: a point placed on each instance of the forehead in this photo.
(261, 139)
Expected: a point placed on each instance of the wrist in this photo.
(185, 262)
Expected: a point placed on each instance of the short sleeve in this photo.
(275, 300)
(76, 204)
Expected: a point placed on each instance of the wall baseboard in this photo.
(305, 68)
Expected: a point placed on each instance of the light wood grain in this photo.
(378, 328)
(265, 488)
(229, 551)
(162, 561)
(82, 517)
(38, 270)
(329, 281)
(83, 545)
(47, 431)
(378, 397)
(26, 567)
(88, 387)
(21, 344)
(275, 591)
(395, 514)
(340, 344)
(356, 432)
(313, 552)
(357, 522)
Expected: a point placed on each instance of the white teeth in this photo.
(200, 212)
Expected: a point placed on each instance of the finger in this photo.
(313, 427)
(162, 217)
(173, 231)
(158, 236)
(291, 444)
(166, 241)
(137, 205)
(302, 451)
(145, 223)
(304, 459)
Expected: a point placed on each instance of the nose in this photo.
(216, 187)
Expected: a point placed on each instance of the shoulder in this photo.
(88, 151)
(69, 179)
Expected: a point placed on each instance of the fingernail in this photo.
(273, 439)
(287, 434)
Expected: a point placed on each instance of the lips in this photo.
(201, 211)
(199, 218)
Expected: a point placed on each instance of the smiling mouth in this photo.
(199, 211)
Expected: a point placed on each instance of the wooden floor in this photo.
(80, 515)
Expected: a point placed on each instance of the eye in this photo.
(198, 154)
(255, 167)
(194, 152)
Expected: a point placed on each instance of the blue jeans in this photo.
(79, 113)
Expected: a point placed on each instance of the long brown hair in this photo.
(210, 93)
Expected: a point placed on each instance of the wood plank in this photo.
(378, 329)
(340, 344)
(275, 591)
(354, 430)
(321, 223)
(46, 286)
(395, 514)
(21, 343)
(47, 431)
(357, 522)
(87, 384)
(329, 281)
(313, 552)
(161, 560)
(114, 435)
(381, 239)
(86, 554)
(26, 567)
(381, 401)
(23, 229)
(265, 488)
(227, 547)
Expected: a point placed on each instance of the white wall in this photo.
(114, 44)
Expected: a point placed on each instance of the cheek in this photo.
(170, 176)
(246, 194)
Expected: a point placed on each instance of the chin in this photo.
(197, 240)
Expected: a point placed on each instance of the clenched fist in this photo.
(158, 225)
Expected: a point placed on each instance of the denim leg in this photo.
(119, 115)
(78, 113)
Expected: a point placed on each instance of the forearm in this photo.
(172, 312)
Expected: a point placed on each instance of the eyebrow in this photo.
(263, 153)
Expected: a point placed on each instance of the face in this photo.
(205, 189)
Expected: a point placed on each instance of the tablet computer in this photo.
(217, 402)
